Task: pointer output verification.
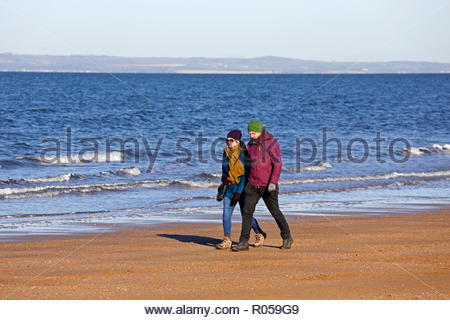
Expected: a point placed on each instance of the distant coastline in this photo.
(263, 65)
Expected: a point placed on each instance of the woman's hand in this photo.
(235, 199)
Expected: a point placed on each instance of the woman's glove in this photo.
(235, 199)
(225, 181)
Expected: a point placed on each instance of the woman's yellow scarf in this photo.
(236, 167)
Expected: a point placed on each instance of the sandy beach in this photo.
(375, 257)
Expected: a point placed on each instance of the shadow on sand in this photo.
(204, 241)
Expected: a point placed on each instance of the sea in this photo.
(87, 153)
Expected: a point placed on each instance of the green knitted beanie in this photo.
(255, 126)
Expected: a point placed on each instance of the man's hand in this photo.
(272, 187)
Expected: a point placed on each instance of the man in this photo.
(265, 171)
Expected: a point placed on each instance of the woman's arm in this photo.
(224, 170)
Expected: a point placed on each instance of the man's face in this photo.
(254, 135)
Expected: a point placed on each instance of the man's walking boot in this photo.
(241, 246)
(287, 243)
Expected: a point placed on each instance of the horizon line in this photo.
(227, 58)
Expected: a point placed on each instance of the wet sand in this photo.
(376, 257)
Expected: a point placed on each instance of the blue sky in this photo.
(376, 30)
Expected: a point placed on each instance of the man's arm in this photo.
(275, 158)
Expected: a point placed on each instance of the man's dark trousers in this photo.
(252, 196)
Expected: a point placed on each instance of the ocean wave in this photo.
(57, 190)
(97, 157)
(59, 178)
(420, 151)
(130, 171)
(195, 184)
(5, 164)
(321, 166)
(127, 211)
(207, 175)
(387, 176)
(318, 166)
(69, 176)
(125, 171)
(367, 187)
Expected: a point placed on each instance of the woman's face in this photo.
(232, 143)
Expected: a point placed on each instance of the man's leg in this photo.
(255, 225)
(251, 199)
(271, 201)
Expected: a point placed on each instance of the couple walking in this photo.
(249, 174)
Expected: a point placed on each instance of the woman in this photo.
(234, 178)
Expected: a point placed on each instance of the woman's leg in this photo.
(226, 221)
(255, 226)
(226, 217)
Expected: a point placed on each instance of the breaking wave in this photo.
(161, 204)
(126, 171)
(207, 175)
(60, 178)
(387, 176)
(56, 190)
(375, 186)
(113, 156)
(318, 166)
(70, 176)
(420, 151)
(52, 190)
